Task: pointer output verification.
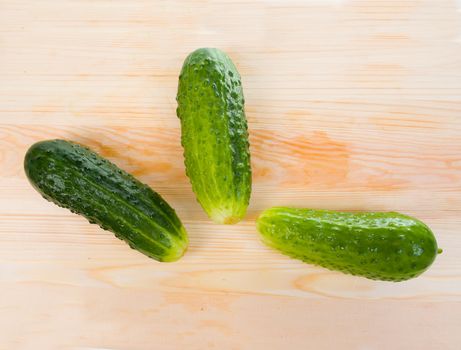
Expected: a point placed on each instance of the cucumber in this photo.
(74, 177)
(215, 134)
(381, 246)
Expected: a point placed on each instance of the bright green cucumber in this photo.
(74, 177)
(381, 246)
(215, 134)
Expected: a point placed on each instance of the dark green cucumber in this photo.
(74, 177)
(381, 246)
(215, 134)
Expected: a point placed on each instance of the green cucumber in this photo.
(215, 134)
(74, 177)
(381, 246)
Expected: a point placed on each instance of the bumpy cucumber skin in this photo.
(215, 134)
(380, 246)
(74, 177)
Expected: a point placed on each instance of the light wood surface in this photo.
(352, 105)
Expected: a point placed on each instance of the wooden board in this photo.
(352, 105)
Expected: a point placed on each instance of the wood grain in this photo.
(352, 105)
